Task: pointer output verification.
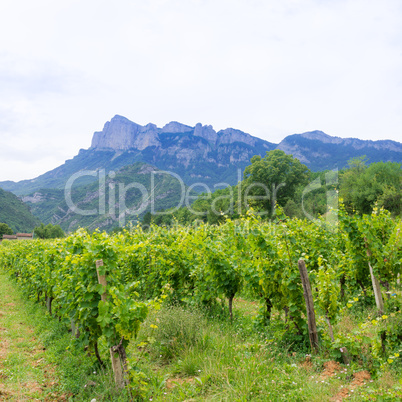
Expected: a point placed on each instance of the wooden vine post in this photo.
(117, 353)
(75, 332)
(376, 284)
(377, 291)
(49, 300)
(308, 297)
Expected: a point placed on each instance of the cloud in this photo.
(266, 67)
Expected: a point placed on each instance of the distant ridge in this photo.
(320, 151)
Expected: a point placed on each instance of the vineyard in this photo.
(104, 287)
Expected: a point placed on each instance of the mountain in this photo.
(110, 201)
(16, 214)
(196, 154)
(199, 154)
(320, 151)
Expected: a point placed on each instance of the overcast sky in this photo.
(269, 68)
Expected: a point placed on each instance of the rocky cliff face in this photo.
(122, 134)
(196, 154)
(188, 151)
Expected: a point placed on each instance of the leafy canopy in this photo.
(49, 231)
(5, 230)
(272, 179)
(362, 186)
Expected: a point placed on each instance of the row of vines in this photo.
(204, 265)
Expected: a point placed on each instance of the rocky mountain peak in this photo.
(206, 132)
(121, 134)
(231, 135)
(176, 127)
(150, 127)
(318, 135)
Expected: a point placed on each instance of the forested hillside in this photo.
(16, 214)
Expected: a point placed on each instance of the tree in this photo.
(272, 179)
(147, 219)
(49, 231)
(362, 186)
(5, 230)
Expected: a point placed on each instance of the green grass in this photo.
(191, 355)
(36, 358)
(25, 372)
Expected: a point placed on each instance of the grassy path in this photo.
(25, 375)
